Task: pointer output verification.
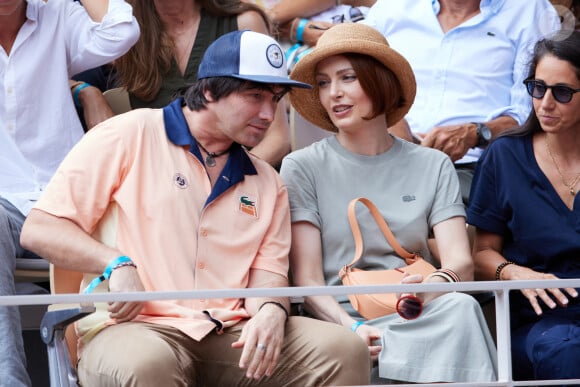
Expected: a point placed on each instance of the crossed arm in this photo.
(454, 140)
(286, 10)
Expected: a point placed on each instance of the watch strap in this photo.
(483, 134)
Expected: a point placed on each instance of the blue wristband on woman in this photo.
(300, 30)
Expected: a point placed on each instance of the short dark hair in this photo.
(220, 87)
(378, 82)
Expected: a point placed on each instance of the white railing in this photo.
(501, 290)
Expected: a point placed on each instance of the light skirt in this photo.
(449, 342)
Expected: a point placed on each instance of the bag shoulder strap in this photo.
(381, 222)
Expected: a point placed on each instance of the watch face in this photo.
(485, 132)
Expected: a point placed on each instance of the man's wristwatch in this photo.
(483, 134)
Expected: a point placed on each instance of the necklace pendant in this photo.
(210, 161)
(572, 192)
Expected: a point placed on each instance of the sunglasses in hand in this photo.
(409, 307)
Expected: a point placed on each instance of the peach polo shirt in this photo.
(137, 182)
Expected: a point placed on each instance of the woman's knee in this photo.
(555, 352)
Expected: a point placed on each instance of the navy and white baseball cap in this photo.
(247, 55)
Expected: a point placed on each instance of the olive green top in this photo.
(210, 28)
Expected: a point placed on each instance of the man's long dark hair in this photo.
(220, 87)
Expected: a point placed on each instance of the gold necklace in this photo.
(570, 185)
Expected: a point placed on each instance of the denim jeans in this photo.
(12, 357)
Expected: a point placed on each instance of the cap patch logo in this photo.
(180, 180)
(248, 205)
(275, 56)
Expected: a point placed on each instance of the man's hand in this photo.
(261, 340)
(454, 140)
(370, 334)
(125, 279)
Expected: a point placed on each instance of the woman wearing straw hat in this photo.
(362, 86)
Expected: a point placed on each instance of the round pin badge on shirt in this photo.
(180, 180)
(275, 56)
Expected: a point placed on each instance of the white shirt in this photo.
(472, 73)
(38, 120)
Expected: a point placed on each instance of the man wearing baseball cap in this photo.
(169, 199)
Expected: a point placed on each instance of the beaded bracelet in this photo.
(116, 263)
(500, 267)
(277, 304)
(125, 264)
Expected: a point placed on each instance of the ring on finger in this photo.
(261, 347)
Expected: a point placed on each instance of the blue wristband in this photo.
(355, 325)
(123, 259)
(292, 51)
(302, 53)
(76, 92)
(300, 29)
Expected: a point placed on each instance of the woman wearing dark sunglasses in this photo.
(526, 209)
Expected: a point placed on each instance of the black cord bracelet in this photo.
(278, 305)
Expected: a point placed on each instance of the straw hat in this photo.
(350, 38)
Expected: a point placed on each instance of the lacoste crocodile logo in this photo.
(248, 205)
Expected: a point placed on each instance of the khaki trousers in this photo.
(315, 353)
